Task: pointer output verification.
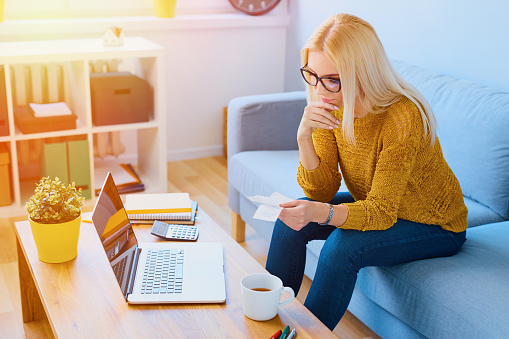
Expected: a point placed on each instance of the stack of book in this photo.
(125, 177)
(171, 208)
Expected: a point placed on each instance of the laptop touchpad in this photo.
(204, 268)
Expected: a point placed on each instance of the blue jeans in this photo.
(347, 251)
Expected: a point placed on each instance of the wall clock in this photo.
(254, 7)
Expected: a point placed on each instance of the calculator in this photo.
(174, 232)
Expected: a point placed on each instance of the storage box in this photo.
(5, 176)
(69, 162)
(120, 98)
(27, 123)
(54, 161)
(79, 166)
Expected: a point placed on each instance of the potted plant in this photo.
(54, 212)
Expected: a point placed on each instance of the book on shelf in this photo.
(184, 218)
(137, 186)
(124, 175)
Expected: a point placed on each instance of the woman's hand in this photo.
(316, 115)
(298, 213)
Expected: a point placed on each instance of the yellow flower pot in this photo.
(165, 8)
(56, 243)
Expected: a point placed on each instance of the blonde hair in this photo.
(353, 46)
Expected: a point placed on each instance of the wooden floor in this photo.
(206, 181)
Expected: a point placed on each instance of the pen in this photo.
(285, 332)
(276, 335)
(292, 334)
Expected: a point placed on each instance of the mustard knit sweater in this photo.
(392, 172)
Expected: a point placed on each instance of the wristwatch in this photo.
(329, 218)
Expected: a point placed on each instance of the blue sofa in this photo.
(464, 296)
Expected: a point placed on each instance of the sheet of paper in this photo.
(269, 209)
(50, 110)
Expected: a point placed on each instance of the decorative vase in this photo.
(165, 8)
(56, 243)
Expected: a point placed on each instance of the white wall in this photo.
(468, 39)
(206, 69)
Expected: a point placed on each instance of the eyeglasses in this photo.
(330, 84)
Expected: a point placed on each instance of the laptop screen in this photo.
(115, 231)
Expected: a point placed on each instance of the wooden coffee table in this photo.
(81, 298)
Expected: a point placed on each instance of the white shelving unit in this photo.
(137, 55)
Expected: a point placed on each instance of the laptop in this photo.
(161, 272)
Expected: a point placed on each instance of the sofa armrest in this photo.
(264, 122)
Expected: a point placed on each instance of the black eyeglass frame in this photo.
(303, 69)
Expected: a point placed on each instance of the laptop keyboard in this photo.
(163, 272)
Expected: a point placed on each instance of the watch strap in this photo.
(329, 218)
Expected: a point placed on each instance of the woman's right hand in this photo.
(316, 115)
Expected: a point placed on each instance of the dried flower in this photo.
(53, 202)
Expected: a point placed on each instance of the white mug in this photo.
(261, 293)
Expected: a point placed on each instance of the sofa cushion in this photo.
(478, 214)
(473, 125)
(452, 297)
(265, 172)
(376, 317)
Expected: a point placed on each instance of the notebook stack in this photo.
(171, 208)
(126, 178)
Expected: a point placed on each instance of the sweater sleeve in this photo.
(322, 183)
(402, 135)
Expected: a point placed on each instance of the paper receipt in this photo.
(269, 209)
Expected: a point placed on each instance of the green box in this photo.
(69, 161)
(54, 161)
(79, 166)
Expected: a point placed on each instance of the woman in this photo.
(404, 203)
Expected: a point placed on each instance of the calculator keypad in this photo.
(182, 232)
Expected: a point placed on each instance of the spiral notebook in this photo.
(183, 218)
(167, 207)
(148, 203)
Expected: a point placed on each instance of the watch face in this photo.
(254, 7)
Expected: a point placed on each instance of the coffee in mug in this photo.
(261, 293)
(261, 289)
